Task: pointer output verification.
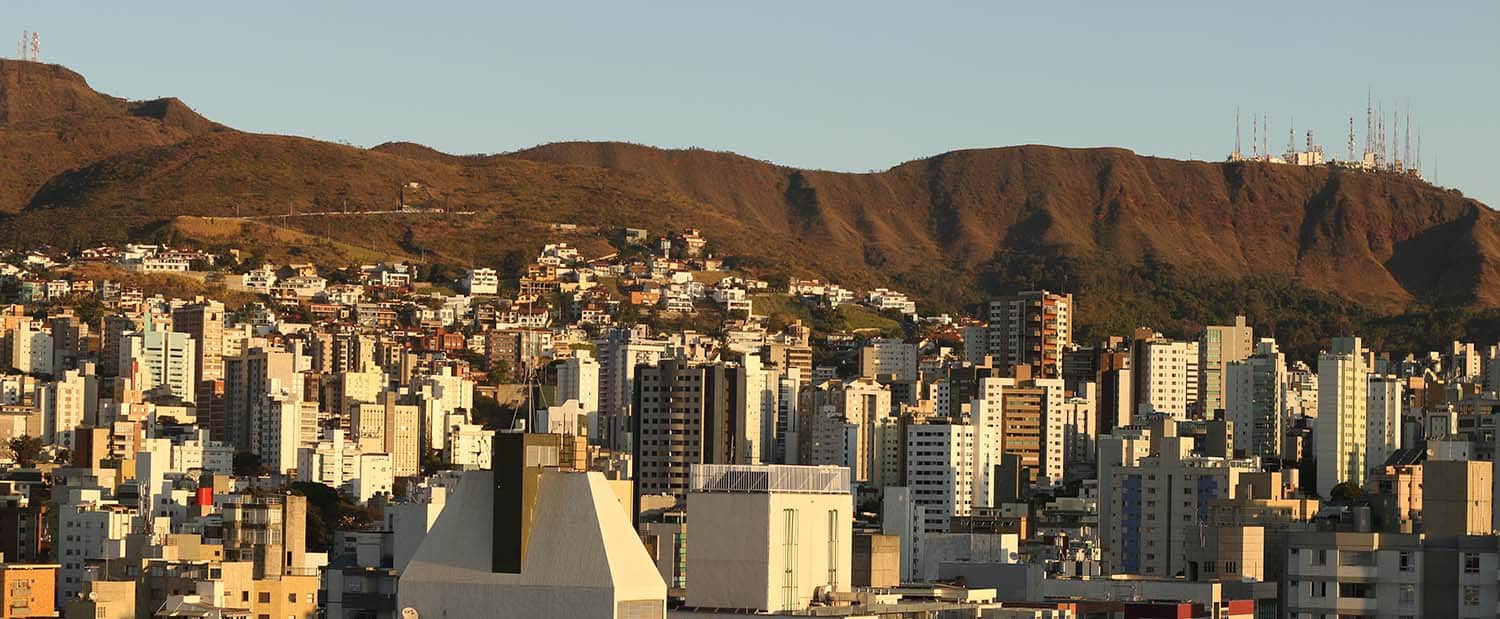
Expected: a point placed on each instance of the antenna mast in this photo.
(1291, 139)
(1265, 133)
(21, 46)
(1236, 154)
(1406, 155)
(1255, 137)
(36, 47)
(1351, 137)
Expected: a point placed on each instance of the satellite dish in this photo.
(409, 613)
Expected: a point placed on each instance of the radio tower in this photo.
(1406, 154)
(1235, 156)
(1419, 151)
(1393, 139)
(36, 47)
(21, 47)
(1351, 137)
(1369, 122)
(1291, 138)
(1255, 137)
(1265, 133)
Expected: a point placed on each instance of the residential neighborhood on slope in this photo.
(657, 432)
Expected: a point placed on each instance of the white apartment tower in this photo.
(1255, 401)
(1169, 377)
(1342, 425)
(1220, 346)
(157, 359)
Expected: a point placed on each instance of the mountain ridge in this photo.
(953, 228)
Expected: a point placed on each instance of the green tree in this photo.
(26, 450)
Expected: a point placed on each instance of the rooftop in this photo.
(769, 478)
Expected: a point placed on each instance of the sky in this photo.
(853, 86)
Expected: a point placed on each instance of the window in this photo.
(1408, 594)
(1404, 561)
(263, 597)
(1471, 595)
(1471, 563)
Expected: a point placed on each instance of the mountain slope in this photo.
(1135, 236)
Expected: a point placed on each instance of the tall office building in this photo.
(1032, 328)
(1343, 401)
(1220, 346)
(160, 361)
(1255, 401)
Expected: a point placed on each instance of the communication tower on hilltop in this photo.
(36, 47)
(1351, 137)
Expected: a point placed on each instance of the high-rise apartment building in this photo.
(1167, 377)
(162, 361)
(578, 380)
(620, 353)
(1032, 328)
(1342, 425)
(1220, 346)
(1255, 401)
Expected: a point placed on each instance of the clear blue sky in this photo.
(835, 85)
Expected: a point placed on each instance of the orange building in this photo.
(28, 590)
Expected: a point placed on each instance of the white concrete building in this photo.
(940, 471)
(1169, 378)
(793, 533)
(89, 527)
(162, 360)
(1342, 425)
(461, 571)
(578, 379)
(1255, 401)
(1383, 418)
(888, 357)
(30, 349)
(1154, 500)
(482, 281)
